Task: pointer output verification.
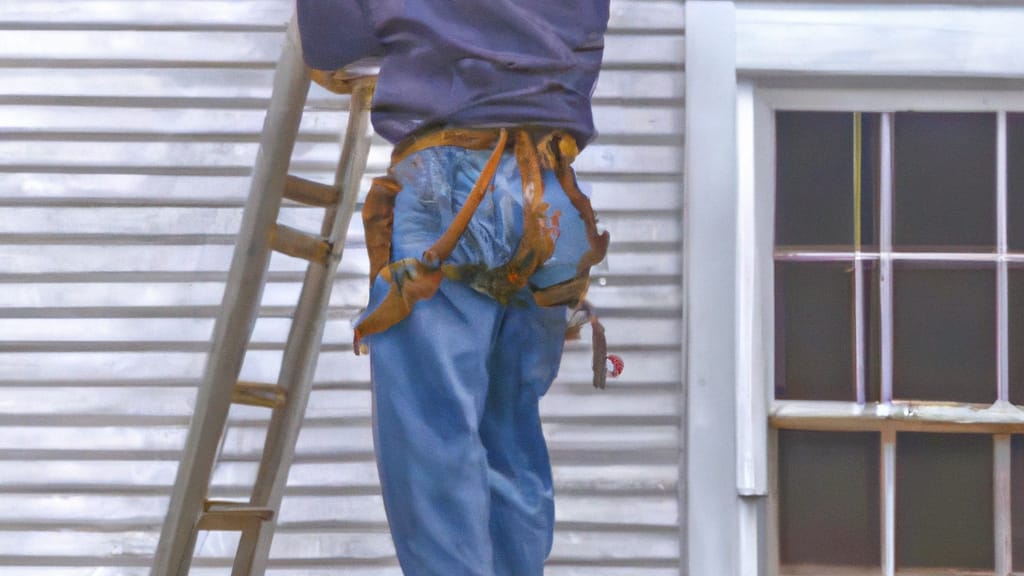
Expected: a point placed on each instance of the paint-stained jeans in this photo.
(461, 454)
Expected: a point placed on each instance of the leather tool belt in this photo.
(415, 279)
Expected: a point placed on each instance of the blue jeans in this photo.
(463, 464)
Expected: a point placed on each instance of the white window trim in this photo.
(916, 38)
(758, 414)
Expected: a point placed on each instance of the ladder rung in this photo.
(258, 394)
(344, 80)
(296, 243)
(309, 192)
(219, 515)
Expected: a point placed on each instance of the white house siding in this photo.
(127, 132)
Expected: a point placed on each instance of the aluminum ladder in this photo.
(190, 511)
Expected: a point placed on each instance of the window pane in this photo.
(945, 181)
(829, 498)
(944, 334)
(1016, 319)
(815, 183)
(1017, 502)
(944, 500)
(1015, 180)
(872, 332)
(814, 345)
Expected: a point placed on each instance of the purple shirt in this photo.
(476, 63)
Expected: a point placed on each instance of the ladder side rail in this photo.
(239, 310)
(355, 152)
(303, 347)
(247, 550)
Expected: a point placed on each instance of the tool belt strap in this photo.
(412, 279)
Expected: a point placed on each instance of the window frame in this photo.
(759, 414)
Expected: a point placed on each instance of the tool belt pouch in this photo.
(378, 222)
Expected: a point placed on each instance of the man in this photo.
(479, 239)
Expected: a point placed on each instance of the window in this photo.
(898, 297)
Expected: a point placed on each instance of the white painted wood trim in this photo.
(880, 39)
(764, 171)
(941, 96)
(772, 554)
(1002, 458)
(1000, 417)
(712, 513)
(751, 538)
(1002, 272)
(788, 254)
(885, 247)
(751, 397)
(888, 502)
(1002, 495)
(762, 163)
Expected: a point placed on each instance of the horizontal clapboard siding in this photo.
(127, 133)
